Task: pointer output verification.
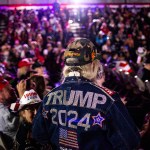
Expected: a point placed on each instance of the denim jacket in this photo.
(80, 115)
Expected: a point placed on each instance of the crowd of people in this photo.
(33, 42)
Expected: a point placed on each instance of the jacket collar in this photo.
(76, 79)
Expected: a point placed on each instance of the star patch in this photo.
(98, 120)
(44, 113)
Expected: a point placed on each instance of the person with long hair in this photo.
(80, 113)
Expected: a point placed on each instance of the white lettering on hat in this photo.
(30, 95)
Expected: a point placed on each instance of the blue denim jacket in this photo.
(80, 115)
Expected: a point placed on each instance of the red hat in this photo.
(24, 62)
(123, 66)
(3, 83)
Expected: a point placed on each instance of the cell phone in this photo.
(28, 84)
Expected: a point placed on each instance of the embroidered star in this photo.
(44, 113)
(98, 120)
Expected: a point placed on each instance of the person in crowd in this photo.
(40, 29)
(38, 67)
(80, 114)
(24, 67)
(8, 120)
(56, 7)
(39, 84)
(68, 36)
(145, 133)
(55, 69)
(27, 108)
(50, 64)
(35, 82)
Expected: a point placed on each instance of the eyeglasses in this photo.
(32, 107)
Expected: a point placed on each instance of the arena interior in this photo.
(40, 30)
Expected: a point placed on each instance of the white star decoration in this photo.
(98, 120)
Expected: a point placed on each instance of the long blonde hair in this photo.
(88, 71)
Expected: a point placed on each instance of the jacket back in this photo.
(80, 115)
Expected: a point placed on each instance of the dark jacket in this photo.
(80, 115)
(24, 141)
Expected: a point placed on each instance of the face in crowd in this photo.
(28, 112)
(27, 106)
(7, 95)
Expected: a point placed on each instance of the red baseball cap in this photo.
(24, 62)
(3, 83)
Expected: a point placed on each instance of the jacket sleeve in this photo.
(39, 129)
(8, 122)
(123, 133)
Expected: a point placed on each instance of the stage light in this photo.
(96, 20)
(146, 80)
(126, 73)
(70, 21)
(135, 76)
(108, 38)
(77, 1)
(75, 12)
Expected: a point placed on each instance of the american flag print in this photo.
(68, 138)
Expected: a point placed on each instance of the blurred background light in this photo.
(135, 76)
